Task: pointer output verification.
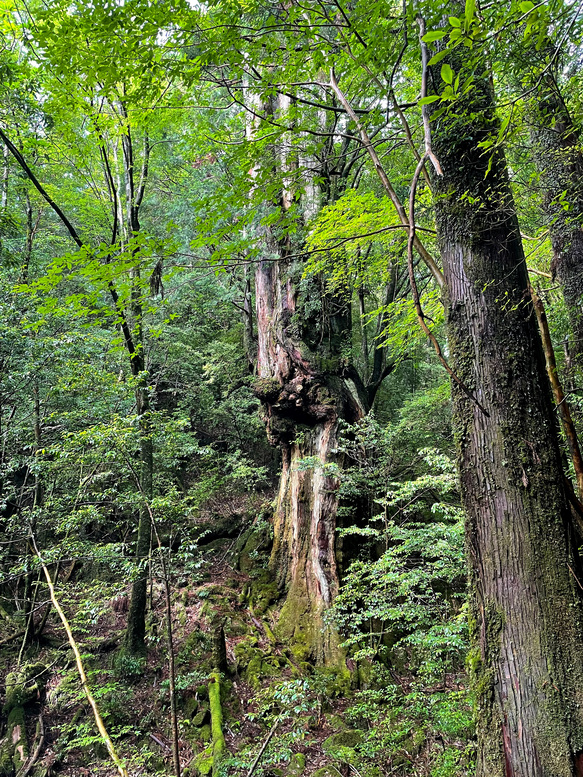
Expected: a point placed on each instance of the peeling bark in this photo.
(305, 391)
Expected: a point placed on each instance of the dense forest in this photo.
(291, 381)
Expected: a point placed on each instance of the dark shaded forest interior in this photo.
(291, 388)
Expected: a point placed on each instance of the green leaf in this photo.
(429, 37)
(470, 10)
(446, 73)
(454, 21)
(526, 6)
(438, 57)
(429, 99)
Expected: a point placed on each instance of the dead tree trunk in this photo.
(305, 389)
(526, 609)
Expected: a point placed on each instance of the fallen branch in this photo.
(80, 668)
(264, 746)
(16, 635)
(159, 742)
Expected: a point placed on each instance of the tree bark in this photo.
(306, 389)
(526, 611)
(136, 623)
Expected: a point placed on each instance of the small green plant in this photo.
(129, 668)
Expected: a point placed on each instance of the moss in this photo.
(25, 685)
(297, 765)
(270, 634)
(254, 671)
(201, 718)
(203, 763)
(247, 549)
(326, 771)
(310, 639)
(266, 389)
(343, 739)
(219, 747)
(14, 750)
(337, 722)
(236, 627)
(245, 650)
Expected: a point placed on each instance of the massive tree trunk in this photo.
(526, 609)
(305, 389)
(560, 162)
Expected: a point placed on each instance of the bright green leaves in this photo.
(447, 73)
(434, 35)
(465, 30)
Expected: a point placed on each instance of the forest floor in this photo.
(315, 724)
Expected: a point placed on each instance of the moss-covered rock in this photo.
(341, 745)
(205, 732)
(254, 663)
(14, 747)
(255, 541)
(203, 763)
(297, 765)
(326, 771)
(337, 723)
(201, 717)
(25, 686)
(349, 738)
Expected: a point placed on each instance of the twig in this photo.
(425, 108)
(388, 187)
(263, 746)
(540, 272)
(159, 741)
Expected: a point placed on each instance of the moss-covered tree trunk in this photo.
(526, 609)
(305, 389)
(560, 162)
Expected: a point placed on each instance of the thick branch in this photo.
(38, 186)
